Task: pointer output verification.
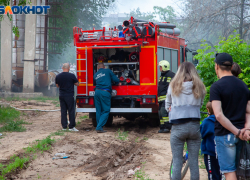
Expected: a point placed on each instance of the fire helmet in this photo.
(165, 65)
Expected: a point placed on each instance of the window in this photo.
(181, 54)
(174, 60)
(171, 55)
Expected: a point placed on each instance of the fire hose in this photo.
(36, 109)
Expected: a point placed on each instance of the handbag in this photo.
(243, 167)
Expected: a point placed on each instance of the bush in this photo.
(236, 47)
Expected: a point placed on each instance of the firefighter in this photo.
(103, 80)
(165, 78)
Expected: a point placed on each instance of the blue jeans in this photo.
(102, 104)
(228, 149)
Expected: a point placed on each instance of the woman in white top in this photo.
(184, 100)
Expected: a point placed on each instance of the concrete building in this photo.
(23, 57)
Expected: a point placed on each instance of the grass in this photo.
(145, 138)
(122, 135)
(10, 118)
(137, 139)
(38, 176)
(84, 117)
(8, 114)
(57, 133)
(14, 126)
(201, 160)
(17, 163)
(20, 162)
(41, 145)
(141, 175)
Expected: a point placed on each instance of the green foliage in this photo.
(38, 176)
(18, 163)
(84, 117)
(234, 46)
(10, 118)
(137, 14)
(137, 139)
(13, 126)
(42, 145)
(15, 30)
(57, 133)
(8, 114)
(141, 175)
(166, 14)
(122, 135)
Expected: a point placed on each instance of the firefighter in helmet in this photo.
(165, 78)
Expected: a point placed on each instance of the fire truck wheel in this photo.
(109, 121)
(154, 122)
(94, 121)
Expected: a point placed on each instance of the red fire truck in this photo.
(132, 52)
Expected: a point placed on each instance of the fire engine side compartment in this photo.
(147, 86)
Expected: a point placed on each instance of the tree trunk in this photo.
(241, 19)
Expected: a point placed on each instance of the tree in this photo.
(211, 19)
(86, 14)
(136, 13)
(166, 14)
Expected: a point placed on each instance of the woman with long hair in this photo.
(184, 100)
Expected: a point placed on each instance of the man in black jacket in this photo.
(165, 78)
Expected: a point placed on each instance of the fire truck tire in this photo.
(94, 121)
(109, 121)
(153, 120)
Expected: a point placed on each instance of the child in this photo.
(208, 145)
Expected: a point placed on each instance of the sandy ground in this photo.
(92, 156)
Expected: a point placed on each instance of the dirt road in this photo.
(92, 156)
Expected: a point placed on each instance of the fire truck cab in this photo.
(132, 52)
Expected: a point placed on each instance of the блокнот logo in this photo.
(24, 9)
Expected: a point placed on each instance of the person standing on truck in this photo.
(65, 81)
(165, 78)
(103, 80)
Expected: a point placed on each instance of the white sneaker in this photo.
(73, 129)
(64, 129)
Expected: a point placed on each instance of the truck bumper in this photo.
(117, 110)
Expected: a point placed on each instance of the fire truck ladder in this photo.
(83, 71)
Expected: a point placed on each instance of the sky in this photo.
(125, 6)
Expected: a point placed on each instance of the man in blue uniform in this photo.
(103, 80)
